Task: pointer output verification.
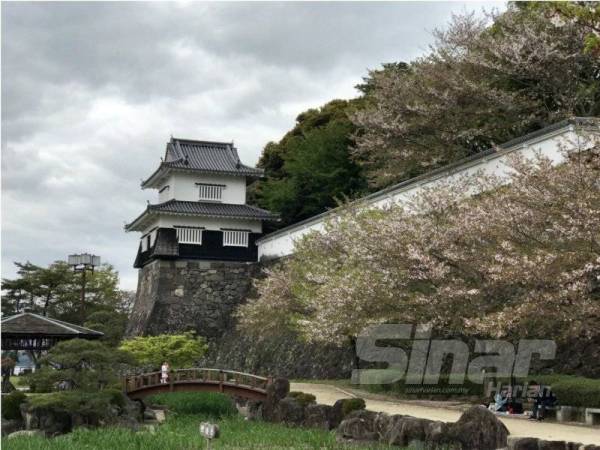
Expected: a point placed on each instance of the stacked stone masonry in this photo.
(189, 295)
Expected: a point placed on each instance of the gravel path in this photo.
(328, 394)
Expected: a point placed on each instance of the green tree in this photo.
(55, 291)
(79, 364)
(111, 323)
(311, 168)
(179, 350)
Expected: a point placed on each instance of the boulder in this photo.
(10, 426)
(356, 429)
(50, 421)
(318, 416)
(149, 414)
(381, 424)
(574, 445)
(406, 430)
(551, 445)
(437, 434)
(343, 406)
(290, 412)
(25, 433)
(250, 409)
(277, 390)
(479, 429)
(522, 443)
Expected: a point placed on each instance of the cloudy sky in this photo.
(91, 93)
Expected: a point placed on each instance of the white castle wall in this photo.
(281, 243)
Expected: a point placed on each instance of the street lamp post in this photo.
(83, 263)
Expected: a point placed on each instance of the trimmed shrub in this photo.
(11, 405)
(303, 398)
(352, 404)
(206, 403)
(83, 407)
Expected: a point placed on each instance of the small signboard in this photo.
(210, 431)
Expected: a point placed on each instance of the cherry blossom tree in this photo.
(516, 260)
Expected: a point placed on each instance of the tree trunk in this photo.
(355, 358)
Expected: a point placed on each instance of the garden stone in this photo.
(356, 429)
(290, 412)
(338, 411)
(437, 434)
(276, 391)
(25, 433)
(381, 423)
(479, 429)
(522, 443)
(51, 422)
(10, 426)
(551, 445)
(318, 416)
(250, 409)
(406, 430)
(149, 414)
(574, 445)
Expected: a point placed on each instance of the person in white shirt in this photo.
(164, 373)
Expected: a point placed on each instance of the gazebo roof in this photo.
(32, 331)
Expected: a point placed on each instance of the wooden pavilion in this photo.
(35, 333)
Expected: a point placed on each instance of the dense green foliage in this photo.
(11, 405)
(111, 323)
(55, 291)
(311, 169)
(179, 350)
(303, 398)
(352, 404)
(180, 431)
(572, 390)
(79, 364)
(91, 405)
(206, 403)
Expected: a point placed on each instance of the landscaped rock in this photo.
(250, 409)
(356, 429)
(50, 421)
(438, 434)
(574, 445)
(318, 416)
(551, 445)
(276, 391)
(479, 429)
(406, 430)
(522, 443)
(10, 426)
(344, 406)
(290, 412)
(149, 414)
(381, 423)
(25, 433)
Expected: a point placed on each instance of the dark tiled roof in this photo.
(213, 210)
(205, 209)
(34, 324)
(204, 156)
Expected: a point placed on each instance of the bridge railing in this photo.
(219, 377)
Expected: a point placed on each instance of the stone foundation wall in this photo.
(189, 295)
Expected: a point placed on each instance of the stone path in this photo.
(328, 394)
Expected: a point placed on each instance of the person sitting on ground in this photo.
(499, 403)
(543, 397)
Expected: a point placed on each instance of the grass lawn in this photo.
(180, 431)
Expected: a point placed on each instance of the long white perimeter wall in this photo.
(552, 142)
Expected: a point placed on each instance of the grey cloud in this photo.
(92, 91)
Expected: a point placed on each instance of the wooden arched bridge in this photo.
(237, 384)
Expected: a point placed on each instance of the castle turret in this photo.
(201, 211)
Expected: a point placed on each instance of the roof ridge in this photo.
(226, 144)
